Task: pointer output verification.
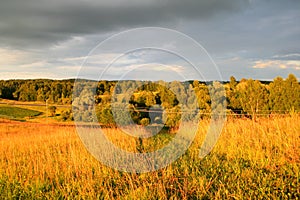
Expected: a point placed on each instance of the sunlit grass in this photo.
(251, 160)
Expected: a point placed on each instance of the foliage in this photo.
(50, 91)
(253, 97)
(52, 111)
(145, 121)
(248, 97)
(66, 115)
(284, 94)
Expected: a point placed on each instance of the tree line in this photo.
(147, 101)
(44, 90)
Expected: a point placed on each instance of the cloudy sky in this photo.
(257, 39)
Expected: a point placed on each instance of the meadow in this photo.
(251, 160)
(17, 113)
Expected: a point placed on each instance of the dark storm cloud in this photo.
(33, 22)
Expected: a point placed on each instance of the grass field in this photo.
(252, 160)
(11, 112)
(30, 111)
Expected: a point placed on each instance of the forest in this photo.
(147, 100)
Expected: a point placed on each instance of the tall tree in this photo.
(253, 97)
(232, 96)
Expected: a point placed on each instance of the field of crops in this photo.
(252, 160)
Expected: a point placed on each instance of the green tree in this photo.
(66, 115)
(284, 94)
(278, 97)
(253, 97)
(104, 115)
(203, 98)
(218, 99)
(84, 102)
(172, 117)
(145, 121)
(292, 89)
(232, 95)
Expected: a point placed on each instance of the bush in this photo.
(51, 111)
(66, 115)
(145, 121)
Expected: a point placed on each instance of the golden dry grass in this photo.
(251, 160)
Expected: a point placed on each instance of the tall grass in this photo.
(251, 160)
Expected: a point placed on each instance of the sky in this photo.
(98, 39)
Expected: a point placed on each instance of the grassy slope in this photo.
(17, 113)
(252, 160)
(40, 107)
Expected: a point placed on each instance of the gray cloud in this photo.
(32, 22)
(54, 36)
